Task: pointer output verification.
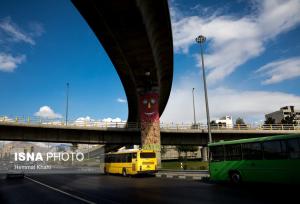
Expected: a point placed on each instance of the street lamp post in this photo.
(201, 39)
(67, 104)
(194, 107)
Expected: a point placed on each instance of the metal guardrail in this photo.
(134, 125)
(184, 171)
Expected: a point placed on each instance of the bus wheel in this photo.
(124, 172)
(235, 177)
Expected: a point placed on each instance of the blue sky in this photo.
(252, 56)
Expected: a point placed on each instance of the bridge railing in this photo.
(71, 123)
(134, 125)
(199, 126)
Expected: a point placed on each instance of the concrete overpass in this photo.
(125, 136)
(137, 37)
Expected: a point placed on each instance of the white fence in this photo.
(135, 125)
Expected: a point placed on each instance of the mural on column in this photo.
(149, 113)
(149, 107)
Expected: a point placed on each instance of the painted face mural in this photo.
(149, 107)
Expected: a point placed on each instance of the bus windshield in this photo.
(145, 155)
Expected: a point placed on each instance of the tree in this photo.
(270, 121)
(163, 150)
(74, 147)
(213, 122)
(240, 121)
(289, 120)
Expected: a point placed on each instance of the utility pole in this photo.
(67, 104)
(194, 107)
(201, 39)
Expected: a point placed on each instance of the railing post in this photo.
(28, 120)
(271, 127)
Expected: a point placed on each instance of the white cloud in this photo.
(120, 100)
(14, 32)
(81, 120)
(36, 28)
(11, 32)
(115, 120)
(280, 70)
(234, 40)
(249, 104)
(47, 112)
(84, 119)
(6, 119)
(9, 63)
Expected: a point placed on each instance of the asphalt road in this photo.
(117, 189)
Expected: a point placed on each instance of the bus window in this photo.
(134, 156)
(109, 159)
(252, 151)
(293, 148)
(284, 151)
(146, 155)
(117, 158)
(217, 153)
(272, 150)
(233, 152)
(128, 157)
(123, 158)
(114, 158)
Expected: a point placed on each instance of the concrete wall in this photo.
(277, 115)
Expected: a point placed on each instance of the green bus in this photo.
(273, 159)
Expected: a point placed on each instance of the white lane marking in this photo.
(63, 192)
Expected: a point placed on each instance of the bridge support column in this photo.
(150, 126)
(204, 154)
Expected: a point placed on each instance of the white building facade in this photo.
(225, 121)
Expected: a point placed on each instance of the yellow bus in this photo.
(131, 162)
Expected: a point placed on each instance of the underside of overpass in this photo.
(137, 36)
